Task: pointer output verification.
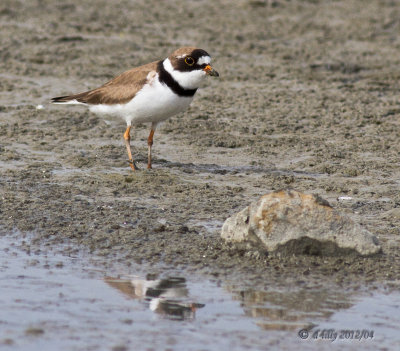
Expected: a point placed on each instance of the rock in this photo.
(291, 222)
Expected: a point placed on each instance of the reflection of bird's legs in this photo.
(127, 137)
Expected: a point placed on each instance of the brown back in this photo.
(118, 90)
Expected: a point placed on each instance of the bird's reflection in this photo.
(167, 297)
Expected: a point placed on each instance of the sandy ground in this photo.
(308, 98)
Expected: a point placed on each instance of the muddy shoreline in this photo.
(307, 99)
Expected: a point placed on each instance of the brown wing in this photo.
(118, 90)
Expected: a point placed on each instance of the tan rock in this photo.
(296, 223)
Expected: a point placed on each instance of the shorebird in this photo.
(149, 93)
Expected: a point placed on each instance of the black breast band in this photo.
(166, 78)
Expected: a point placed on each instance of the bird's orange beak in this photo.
(210, 71)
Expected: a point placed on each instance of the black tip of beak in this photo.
(213, 73)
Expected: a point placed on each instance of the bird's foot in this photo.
(133, 165)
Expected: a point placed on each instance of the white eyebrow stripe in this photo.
(204, 59)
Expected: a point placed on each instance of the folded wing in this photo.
(119, 90)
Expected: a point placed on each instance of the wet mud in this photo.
(308, 99)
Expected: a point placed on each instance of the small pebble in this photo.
(344, 198)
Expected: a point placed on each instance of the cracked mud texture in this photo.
(308, 98)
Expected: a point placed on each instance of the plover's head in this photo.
(189, 66)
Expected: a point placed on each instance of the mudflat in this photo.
(308, 99)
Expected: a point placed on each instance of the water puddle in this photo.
(54, 302)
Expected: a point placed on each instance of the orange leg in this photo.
(150, 144)
(127, 137)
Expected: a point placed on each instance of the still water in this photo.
(53, 302)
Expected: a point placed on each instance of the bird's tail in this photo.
(68, 99)
(61, 99)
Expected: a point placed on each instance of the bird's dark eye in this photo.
(189, 61)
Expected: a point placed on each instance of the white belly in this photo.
(154, 103)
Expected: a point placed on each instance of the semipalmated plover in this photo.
(149, 93)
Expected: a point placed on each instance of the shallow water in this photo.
(54, 302)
